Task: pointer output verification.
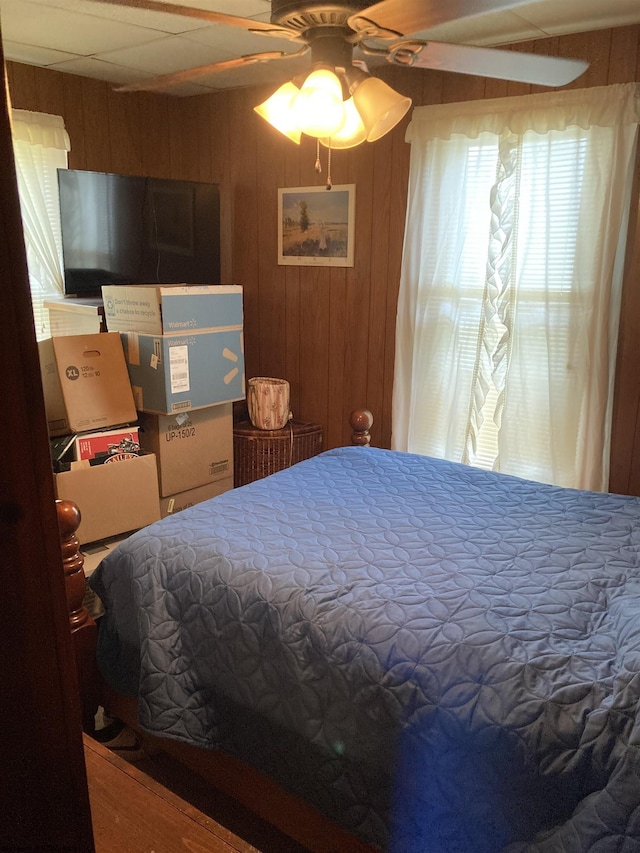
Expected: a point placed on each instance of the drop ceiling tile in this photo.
(47, 26)
(165, 22)
(165, 55)
(241, 8)
(240, 43)
(86, 66)
(97, 13)
(30, 55)
(490, 29)
(572, 16)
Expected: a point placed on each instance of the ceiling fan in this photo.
(331, 31)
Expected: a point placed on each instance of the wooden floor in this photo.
(131, 811)
(155, 804)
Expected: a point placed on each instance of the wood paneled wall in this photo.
(329, 331)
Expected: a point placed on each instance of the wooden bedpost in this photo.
(82, 625)
(361, 421)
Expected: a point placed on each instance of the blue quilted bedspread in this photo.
(439, 658)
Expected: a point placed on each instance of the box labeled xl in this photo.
(172, 308)
(174, 373)
(192, 448)
(85, 383)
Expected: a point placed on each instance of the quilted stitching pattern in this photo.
(447, 659)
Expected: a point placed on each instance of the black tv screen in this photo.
(124, 229)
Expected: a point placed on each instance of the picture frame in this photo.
(316, 226)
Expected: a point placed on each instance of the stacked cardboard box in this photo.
(194, 453)
(87, 392)
(184, 350)
(183, 343)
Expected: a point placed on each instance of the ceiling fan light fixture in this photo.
(380, 106)
(318, 109)
(353, 131)
(277, 111)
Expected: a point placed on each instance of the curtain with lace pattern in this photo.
(511, 281)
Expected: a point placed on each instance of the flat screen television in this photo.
(125, 229)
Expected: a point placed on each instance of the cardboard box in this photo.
(85, 382)
(191, 448)
(113, 498)
(92, 444)
(172, 308)
(175, 373)
(176, 503)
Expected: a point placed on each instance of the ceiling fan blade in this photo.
(204, 15)
(166, 81)
(412, 16)
(487, 62)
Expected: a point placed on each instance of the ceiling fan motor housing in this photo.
(303, 16)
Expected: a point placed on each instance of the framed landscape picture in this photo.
(316, 225)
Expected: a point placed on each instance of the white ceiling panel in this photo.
(32, 55)
(560, 18)
(41, 25)
(164, 55)
(88, 66)
(503, 28)
(238, 42)
(126, 45)
(101, 12)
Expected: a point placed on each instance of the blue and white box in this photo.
(174, 373)
(167, 309)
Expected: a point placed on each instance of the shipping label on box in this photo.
(174, 373)
(192, 448)
(183, 500)
(172, 308)
(110, 442)
(85, 383)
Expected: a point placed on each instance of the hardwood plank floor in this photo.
(157, 771)
(133, 812)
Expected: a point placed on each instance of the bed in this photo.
(430, 656)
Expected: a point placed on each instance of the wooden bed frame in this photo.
(231, 777)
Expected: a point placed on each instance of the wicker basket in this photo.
(258, 452)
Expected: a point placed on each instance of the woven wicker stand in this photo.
(259, 452)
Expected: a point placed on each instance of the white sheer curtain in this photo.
(40, 146)
(511, 277)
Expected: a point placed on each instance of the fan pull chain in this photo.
(318, 166)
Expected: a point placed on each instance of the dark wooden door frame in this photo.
(45, 801)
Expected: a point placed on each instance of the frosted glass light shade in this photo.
(380, 106)
(353, 131)
(318, 108)
(277, 111)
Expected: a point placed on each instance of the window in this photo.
(40, 145)
(510, 288)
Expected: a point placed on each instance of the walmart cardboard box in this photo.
(192, 448)
(174, 373)
(172, 308)
(85, 383)
(176, 503)
(114, 497)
